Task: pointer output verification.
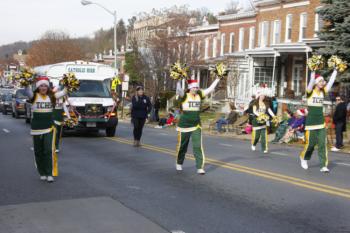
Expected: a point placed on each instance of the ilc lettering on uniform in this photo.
(43, 105)
(317, 100)
(195, 104)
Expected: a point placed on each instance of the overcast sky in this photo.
(29, 19)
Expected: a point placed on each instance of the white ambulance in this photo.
(93, 104)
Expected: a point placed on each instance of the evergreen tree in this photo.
(336, 30)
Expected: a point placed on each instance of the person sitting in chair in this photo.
(231, 118)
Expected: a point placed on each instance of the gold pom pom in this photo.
(334, 62)
(220, 70)
(70, 122)
(262, 118)
(70, 82)
(179, 71)
(26, 77)
(316, 62)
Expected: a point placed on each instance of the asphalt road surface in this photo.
(243, 191)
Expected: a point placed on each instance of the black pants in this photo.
(138, 127)
(339, 129)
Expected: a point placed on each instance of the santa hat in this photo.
(42, 80)
(192, 83)
(302, 112)
(318, 78)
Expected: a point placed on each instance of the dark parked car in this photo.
(19, 99)
(6, 103)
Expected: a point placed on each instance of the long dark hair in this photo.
(49, 93)
(266, 101)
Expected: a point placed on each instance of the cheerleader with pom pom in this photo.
(190, 124)
(261, 117)
(316, 133)
(42, 127)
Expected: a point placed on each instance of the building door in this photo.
(297, 78)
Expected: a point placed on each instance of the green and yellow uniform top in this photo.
(315, 117)
(261, 109)
(315, 99)
(42, 118)
(191, 107)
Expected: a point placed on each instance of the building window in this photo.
(276, 32)
(289, 28)
(251, 37)
(318, 23)
(186, 52)
(264, 32)
(303, 25)
(206, 46)
(199, 49)
(263, 75)
(222, 48)
(232, 42)
(192, 50)
(241, 39)
(297, 77)
(215, 44)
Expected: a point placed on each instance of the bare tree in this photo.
(54, 47)
(231, 8)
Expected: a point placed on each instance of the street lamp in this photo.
(114, 14)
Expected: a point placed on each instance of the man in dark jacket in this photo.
(141, 107)
(339, 119)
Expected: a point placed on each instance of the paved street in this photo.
(243, 191)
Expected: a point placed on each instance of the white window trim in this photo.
(199, 44)
(215, 44)
(222, 44)
(317, 22)
(192, 49)
(241, 39)
(274, 31)
(206, 48)
(232, 42)
(288, 21)
(251, 37)
(265, 40)
(301, 25)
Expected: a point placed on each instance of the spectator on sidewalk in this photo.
(249, 110)
(282, 127)
(296, 127)
(339, 120)
(165, 122)
(231, 118)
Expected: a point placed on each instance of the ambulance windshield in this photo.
(92, 88)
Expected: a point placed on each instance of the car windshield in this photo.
(21, 94)
(92, 88)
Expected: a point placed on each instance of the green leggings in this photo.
(45, 155)
(316, 137)
(256, 134)
(183, 140)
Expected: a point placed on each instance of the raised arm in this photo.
(331, 81)
(66, 109)
(61, 94)
(179, 91)
(311, 83)
(210, 89)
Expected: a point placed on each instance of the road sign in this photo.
(125, 86)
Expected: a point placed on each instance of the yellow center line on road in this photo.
(253, 171)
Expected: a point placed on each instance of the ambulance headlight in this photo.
(109, 108)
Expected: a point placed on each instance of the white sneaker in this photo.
(50, 179)
(57, 151)
(253, 148)
(334, 149)
(43, 178)
(178, 167)
(324, 169)
(304, 163)
(266, 151)
(201, 171)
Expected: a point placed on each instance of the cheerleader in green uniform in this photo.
(315, 125)
(42, 127)
(190, 124)
(261, 106)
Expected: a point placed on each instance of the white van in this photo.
(93, 102)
